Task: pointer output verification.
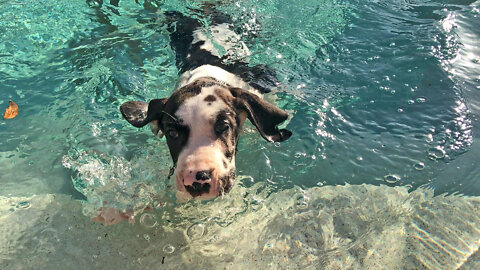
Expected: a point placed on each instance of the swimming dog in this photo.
(203, 118)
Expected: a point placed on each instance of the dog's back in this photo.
(196, 46)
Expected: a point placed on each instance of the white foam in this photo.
(342, 227)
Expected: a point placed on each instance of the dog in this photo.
(203, 118)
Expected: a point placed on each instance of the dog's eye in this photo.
(172, 133)
(221, 127)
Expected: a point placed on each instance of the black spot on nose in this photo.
(197, 189)
(196, 186)
(203, 175)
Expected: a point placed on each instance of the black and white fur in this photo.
(203, 117)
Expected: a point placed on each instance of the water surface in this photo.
(382, 93)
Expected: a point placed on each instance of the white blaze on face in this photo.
(203, 151)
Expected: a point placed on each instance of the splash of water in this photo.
(113, 182)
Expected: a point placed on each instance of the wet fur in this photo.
(203, 118)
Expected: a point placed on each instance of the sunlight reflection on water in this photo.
(381, 93)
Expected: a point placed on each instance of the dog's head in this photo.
(202, 123)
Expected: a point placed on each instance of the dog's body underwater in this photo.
(203, 117)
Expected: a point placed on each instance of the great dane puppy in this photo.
(203, 118)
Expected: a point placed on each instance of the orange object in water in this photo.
(11, 111)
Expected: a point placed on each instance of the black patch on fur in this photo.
(210, 98)
(140, 113)
(176, 145)
(225, 183)
(229, 137)
(262, 114)
(229, 155)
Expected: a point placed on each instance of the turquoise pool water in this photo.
(385, 102)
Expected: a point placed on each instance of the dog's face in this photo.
(202, 122)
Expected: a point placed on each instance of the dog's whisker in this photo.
(171, 116)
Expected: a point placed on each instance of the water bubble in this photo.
(214, 238)
(411, 101)
(255, 204)
(196, 231)
(169, 249)
(23, 204)
(147, 237)
(20, 94)
(321, 183)
(301, 202)
(299, 155)
(157, 204)
(429, 138)
(301, 86)
(248, 179)
(85, 211)
(435, 153)
(148, 220)
(391, 178)
(419, 166)
(420, 100)
(95, 201)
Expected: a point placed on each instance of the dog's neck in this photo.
(216, 73)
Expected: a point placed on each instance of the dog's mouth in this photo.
(197, 189)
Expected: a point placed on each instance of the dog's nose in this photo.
(203, 175)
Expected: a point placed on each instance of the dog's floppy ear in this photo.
(262, 114)
(140, 113)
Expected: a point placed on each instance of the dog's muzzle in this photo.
(203, 184)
